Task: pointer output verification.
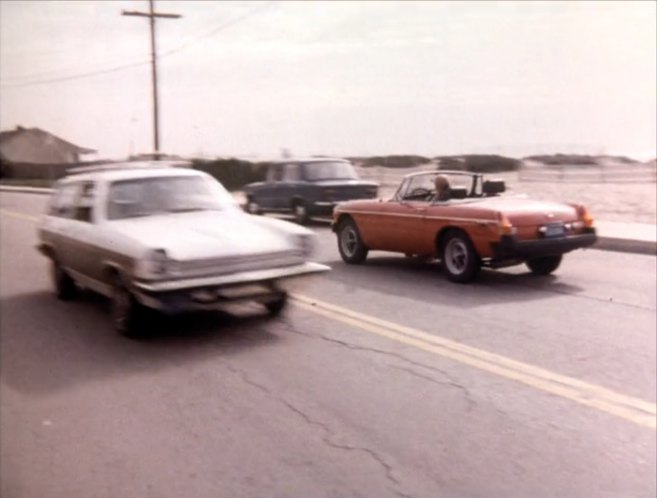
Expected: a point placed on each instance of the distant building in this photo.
(36, 146)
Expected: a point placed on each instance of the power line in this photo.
(152, 16)
(121, 67)
(77, 76)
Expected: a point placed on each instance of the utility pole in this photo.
(152, 15)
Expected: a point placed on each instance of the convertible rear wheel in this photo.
(351, 247)
(127, 313)
(544, 265)
(459, 259)
(65, 288)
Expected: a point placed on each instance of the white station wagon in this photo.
(161, 236)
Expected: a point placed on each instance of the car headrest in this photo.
(458, 192)
(493, 187)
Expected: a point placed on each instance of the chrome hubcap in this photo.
(456, 256)
(349, 241)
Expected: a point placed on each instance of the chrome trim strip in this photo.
(420, 215)
(236, 278)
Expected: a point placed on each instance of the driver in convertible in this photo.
(442, 188)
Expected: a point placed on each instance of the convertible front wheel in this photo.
(544, 265)
(351, 247)
(459, 259)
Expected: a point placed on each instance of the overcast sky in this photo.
(338, 78)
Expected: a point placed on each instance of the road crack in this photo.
(329, 435)
(451, 381)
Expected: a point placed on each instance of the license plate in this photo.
(553, 230)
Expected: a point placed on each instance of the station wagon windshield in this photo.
(151, 196)
(329, 170)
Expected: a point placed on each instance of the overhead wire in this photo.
(122, 67)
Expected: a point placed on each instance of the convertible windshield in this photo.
(329, 170)
(173, 194)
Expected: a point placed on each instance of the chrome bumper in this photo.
(211, 292)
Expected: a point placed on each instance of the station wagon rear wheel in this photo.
(459, 259)
(544, 265)
(65, 288)
(351, 247)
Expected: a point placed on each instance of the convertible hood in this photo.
(205, 234)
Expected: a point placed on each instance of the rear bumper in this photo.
(213, 292)
(509, 247)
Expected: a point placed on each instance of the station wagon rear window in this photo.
(159, 195)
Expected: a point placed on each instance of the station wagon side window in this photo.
(64, 200)
(85, 203)
(291, 173)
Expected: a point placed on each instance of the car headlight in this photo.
(156, 263)
(306, 244)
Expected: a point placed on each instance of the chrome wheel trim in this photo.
(456, 256)
(349, 240)
(299, 210)
(252, 207)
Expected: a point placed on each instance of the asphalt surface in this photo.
(381, 380)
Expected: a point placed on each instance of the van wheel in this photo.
(252, 207)
(300, 212)
(459, 259)
(65, 288)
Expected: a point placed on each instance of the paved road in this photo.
(381, 380)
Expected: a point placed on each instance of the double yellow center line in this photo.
(635, 410)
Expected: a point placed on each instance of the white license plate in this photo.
(556, 230)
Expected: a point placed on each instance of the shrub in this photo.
(407, 161)
(232, 173)
(479, 163)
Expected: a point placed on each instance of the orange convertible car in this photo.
(467, 226)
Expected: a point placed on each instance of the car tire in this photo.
(277, 306)
(300, 212)
(351, 247)
(544, 265)
(252, 207)
(127, 313)
(65, 288)
(459, 259)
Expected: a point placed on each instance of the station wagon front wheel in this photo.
(127, 313)
(351, 247)
(459, 259)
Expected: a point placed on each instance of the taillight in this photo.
(585, 216)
